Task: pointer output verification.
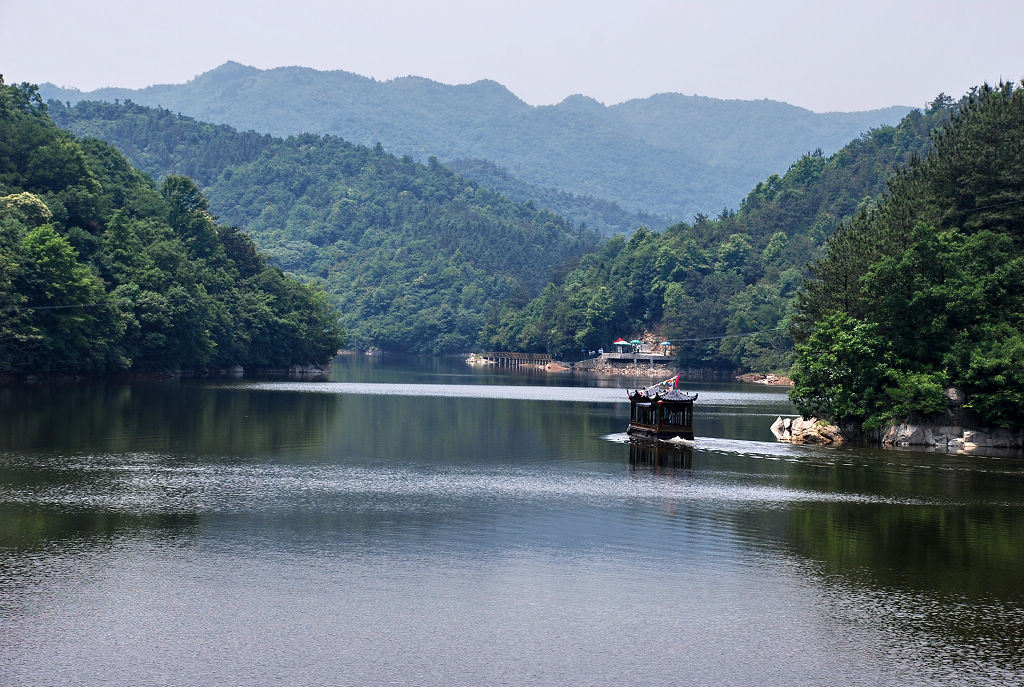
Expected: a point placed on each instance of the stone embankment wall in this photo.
(603, 366)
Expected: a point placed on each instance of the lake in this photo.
(414, 521)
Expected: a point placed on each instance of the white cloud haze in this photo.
(820, 55)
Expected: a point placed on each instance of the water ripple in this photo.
(522, 393)
(161, 484)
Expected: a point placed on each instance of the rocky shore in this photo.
(799, 430)
(951, 437)
(769, 379)
(594, 366)
(599, 366)
(956, 429)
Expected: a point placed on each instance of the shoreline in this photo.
(598, 367)
(769, 379)
(163, 375)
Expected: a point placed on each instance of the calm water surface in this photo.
(419, 522)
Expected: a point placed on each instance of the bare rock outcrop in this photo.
(956, 429)
(799, 430)
(769, 379)
(950, 437)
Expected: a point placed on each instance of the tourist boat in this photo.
(661, 412)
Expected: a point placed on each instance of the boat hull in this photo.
(662, 434)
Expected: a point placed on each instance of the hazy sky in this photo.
(821, 55)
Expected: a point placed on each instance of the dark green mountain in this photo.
(669, 154)
(101, 270)
(709, 284)
(418, 258)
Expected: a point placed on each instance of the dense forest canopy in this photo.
(417, 257)
(919, 287)
(925, 290)
(702, 284)
(669, 154)
(421, 259)
(102, 270)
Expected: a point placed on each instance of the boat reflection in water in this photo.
(659, 456)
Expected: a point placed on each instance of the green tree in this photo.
(25, 208)
(67, 302)
(842, 372)
(190, 215)
(936, 271)
(100, 272)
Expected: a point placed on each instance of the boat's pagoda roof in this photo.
(670, 396)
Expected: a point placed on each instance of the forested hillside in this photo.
(698, 283)
(926, 290)
(417, 257)
(669, 154)
(102, 270)
(603, 216)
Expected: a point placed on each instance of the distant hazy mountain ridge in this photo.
(669, 154)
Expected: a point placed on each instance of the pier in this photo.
(509, 359)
